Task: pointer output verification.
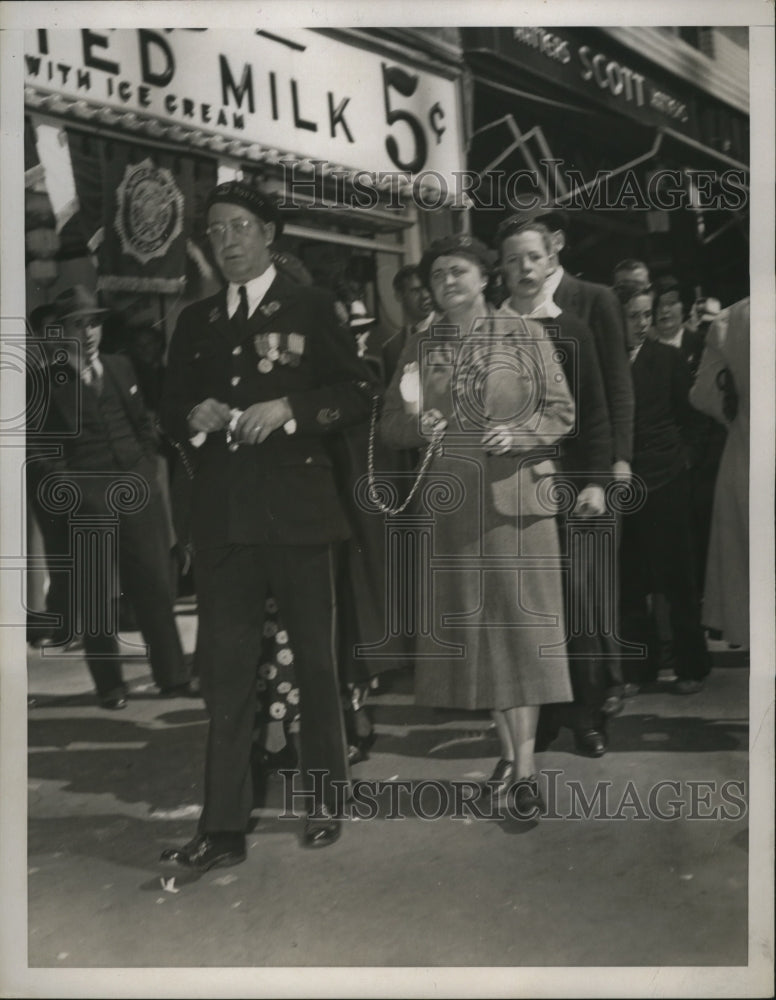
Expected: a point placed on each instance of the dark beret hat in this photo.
(460, 245)
(260, 203)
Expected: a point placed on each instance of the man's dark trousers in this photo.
(657, 557)
(144, 575)
(232, 584)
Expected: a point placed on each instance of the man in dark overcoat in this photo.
(597, 307)
(257, 376)
(107, 470)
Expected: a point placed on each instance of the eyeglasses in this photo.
(238, 227)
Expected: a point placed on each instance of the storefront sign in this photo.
(586, 67)
(296, 91)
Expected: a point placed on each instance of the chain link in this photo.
(431, 450)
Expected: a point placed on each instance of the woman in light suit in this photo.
(488, 392)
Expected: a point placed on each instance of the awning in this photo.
(254, 155)
(666, 139)
(674, 142)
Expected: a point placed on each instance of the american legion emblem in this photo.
(149, 214)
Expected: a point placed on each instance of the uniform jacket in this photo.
(283, 490)
(598, 308)
(661, 382)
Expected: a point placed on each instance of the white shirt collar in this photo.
(545, 310)
(553, 280)
(675, 341)
(256, 289)
(634, 351)
(423, 325)
(90, 366)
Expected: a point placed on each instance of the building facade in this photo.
(642, 134)
(126, 131)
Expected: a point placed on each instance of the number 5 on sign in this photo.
(404, 83)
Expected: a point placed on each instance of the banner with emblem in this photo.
(142, 206)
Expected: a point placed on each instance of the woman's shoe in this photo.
(499, 783)
(527, 799)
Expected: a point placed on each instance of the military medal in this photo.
(265, 366)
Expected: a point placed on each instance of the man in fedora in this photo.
(107, 457)
(258, 376)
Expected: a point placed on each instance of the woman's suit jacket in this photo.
(505, 376)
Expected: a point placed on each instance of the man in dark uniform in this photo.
(108, 467)
(257, 375)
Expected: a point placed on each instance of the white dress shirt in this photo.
(552, 281)
(675, 341)
(255, 289)
(547, 309)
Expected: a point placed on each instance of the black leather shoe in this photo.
(527, 801)
(613, 705)
(206, 851)
(321, 829)
(61, 640)
(115, 703)
(185, 690)
(500, 781)
(590, 743)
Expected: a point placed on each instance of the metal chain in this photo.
(431, 450)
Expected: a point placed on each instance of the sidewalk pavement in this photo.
(601, 882)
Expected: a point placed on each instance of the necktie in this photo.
(241, 316)
(92, 377)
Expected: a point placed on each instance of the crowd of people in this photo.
(592, 442)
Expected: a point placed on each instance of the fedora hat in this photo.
(359, 318)
(76, 301)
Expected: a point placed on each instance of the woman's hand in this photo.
(432, 421)
(409, 387)
(501, 440)
(591, 502)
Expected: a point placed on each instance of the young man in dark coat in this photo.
(257, 375)
(597, 307)
(107, 471)
(657, 551)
